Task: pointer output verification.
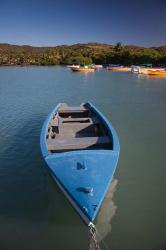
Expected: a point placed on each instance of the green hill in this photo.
(81, 53)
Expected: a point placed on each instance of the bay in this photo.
(34, 214)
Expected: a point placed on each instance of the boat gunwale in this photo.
(108, 125)
(43, 144)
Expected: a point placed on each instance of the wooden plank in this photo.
(71, 111)
(65, 120)
(92, 120)
(75, 127)
(75, 143)
(70, 108)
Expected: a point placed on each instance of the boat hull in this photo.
(83, 70)
(151, 70)
(157, 72)
(125, 69)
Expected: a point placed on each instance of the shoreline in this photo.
(32, 65)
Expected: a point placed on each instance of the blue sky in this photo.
(50, 23)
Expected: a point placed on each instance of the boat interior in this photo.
(76, 128)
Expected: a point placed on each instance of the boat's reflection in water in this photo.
(106, 213)
(149, 77)
(156, 77)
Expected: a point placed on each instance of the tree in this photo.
(118, 47)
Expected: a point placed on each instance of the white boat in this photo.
(135, 69)
(98, 66)
(73, 66)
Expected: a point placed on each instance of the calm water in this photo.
(34, 214)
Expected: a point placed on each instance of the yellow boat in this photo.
(119, 68)
(157, 72)
(83, 69)
(145, 70)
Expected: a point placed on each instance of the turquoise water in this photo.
(34, 214)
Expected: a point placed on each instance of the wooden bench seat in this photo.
(75, 143)
(66, 108)
(58, 121)
(72, 111)
(68, 120)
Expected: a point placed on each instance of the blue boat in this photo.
(81, 149)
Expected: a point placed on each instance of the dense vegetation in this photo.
(81, 54)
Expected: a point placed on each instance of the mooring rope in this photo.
(93, 233)
(94, 244)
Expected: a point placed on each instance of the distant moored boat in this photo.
(98, 66)
(73, 66)
(156, 72)
(145, 71)
(84, 69)
(135, 69)
(119, 68)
